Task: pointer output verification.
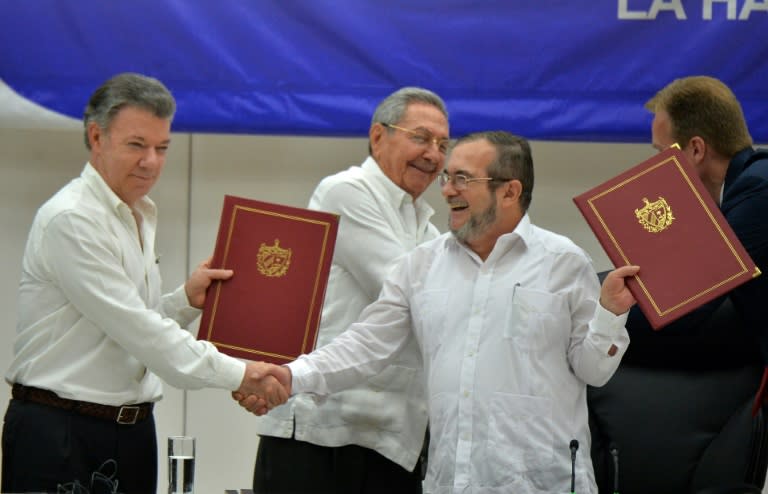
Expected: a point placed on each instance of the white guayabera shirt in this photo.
(379, 223)
(508, 346)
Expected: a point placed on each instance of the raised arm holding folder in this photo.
(270, 309)
(659, 216)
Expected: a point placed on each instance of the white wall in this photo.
(200, 170)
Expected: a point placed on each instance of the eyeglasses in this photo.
(461, 182)
(423, 138)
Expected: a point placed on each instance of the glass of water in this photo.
(181, 465)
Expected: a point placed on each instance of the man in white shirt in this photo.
(94, 331)
(366, 439)
(512, 326)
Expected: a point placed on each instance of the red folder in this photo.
(281, 255)
(658, 215)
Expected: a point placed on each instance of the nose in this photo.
(151, 158)
(448, 190)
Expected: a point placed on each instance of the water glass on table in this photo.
(181, 465)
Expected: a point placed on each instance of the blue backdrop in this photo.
(546, 69)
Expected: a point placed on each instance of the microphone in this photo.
(614, 451)
(574, 447)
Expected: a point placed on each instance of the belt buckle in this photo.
(128, 414)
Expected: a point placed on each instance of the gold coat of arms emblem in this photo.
(273, 260)
(655, 216)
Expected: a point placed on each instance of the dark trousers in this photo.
(288, 466)
(44, 447)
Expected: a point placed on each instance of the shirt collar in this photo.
(523, 232)
(722, 190)
(394, 194)
(96, 182)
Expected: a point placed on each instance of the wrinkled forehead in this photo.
(470, 158)
(425, 117)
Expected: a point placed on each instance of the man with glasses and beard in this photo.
(366, 439)
(512, 326)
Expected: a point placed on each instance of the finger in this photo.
(251, 401)
(273, 396)
(629, 270)
(258, 405)
(283, 394)
(280, 393)
(278, 396)
(220, 274)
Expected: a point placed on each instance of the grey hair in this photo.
(514, 160)
(127, 89)
(393, 107)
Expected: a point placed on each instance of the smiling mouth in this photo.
(458, 206)
(427, 168)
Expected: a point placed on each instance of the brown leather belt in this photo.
(126, 414)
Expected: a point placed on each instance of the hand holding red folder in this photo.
(615, 295)
(270, 310)
(659, 216)
(201, 278)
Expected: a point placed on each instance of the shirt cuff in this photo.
(606, 322)
(230, 373)
(607, 330)
(302, 380)
(179, 308)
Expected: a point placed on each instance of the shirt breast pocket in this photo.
(428, 312)
(534, 318)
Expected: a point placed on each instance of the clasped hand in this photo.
(264, 387)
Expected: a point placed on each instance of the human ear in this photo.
(375, 135)
(698, 149)
(513, 190)
(94, 135)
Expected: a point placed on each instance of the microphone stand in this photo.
(614, 450)
(574, 447)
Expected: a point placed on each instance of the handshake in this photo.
(264, 387)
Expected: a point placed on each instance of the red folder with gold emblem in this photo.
(658, 215)
(281, 255)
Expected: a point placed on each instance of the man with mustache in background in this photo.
(366, 439)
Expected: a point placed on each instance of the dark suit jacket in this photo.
(692, 341)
